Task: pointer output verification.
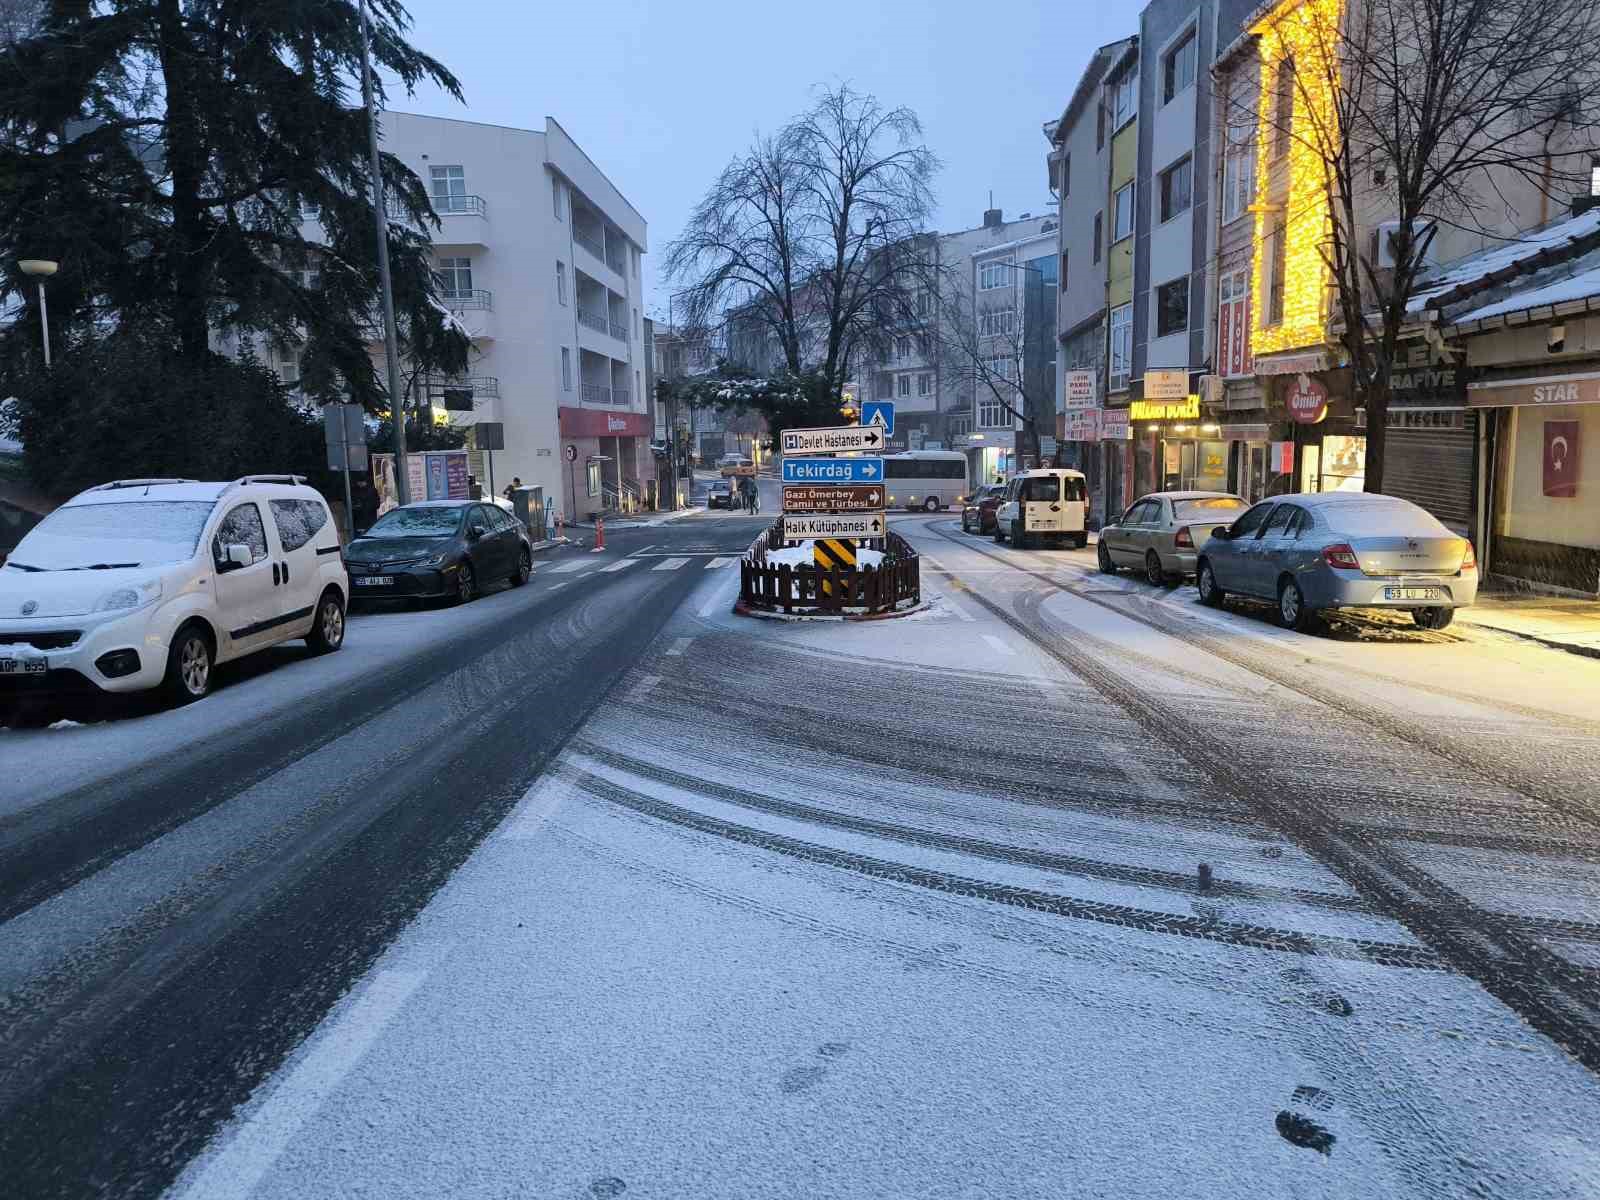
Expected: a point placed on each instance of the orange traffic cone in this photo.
(599, 535)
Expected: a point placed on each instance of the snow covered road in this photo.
(911, 908)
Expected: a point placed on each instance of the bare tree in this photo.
(1426, 115)
(809, 235)
(983, 345)
(18, 19)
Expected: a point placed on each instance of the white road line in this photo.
(933, 562)
(959, 611)
(620, 565)
(719, 562)
(572, 564)
(679, 645)
(560, 583)
(669, 564)
(999, 645)
(642, 689)
(644, 551)
(244, 1158)
(536, 807)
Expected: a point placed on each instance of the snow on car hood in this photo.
(39, 595)
(383, 549)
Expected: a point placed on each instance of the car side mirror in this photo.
(1222, 534)
(234, 556)
(474, 532)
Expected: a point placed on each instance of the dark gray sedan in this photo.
(1328, 550)
(1161, 533)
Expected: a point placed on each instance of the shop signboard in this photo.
(1166, 385)
(1080, 390)
(1307, 401)
(1080, 425)
(1114, 425)
(1185, 409)
(1549, 389)
(1561, 459)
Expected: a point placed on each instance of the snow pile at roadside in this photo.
(800, 555)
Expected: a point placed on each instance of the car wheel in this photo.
(1206, 582)
(1292, 610)
(524, 568)
(189, 663)
(1019, 536)
(466, 585)
(1154, 574)
(327, 630)
(1081, 540)
(999, 532)
(931, 504)
(1104, 557)
(1433, 618)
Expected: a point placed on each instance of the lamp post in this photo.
(41, 269)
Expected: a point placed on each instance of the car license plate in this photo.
(1412, 593)
(373, 581)
(24, 666)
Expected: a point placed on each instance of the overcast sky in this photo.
(661, 95)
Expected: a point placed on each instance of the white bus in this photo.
(925, 479)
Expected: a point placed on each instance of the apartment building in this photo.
(539, 257)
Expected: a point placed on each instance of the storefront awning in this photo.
(1581, 388)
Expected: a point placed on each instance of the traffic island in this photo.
(822, 578)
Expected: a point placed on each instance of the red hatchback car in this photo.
(977, 515)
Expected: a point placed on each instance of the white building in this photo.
(539, 256)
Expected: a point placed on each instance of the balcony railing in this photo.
(619, 395)
(593, 321)
(482, 387)
(617, 263)
(458, 206)
(590, 242)
(597, 393)
(619, 330)
(468, 298)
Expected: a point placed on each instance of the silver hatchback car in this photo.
(1161, 533)
(1325, 550)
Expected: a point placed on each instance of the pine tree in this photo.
(163, 151)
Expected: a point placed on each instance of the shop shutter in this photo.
(1433, 468)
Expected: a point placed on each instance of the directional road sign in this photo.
(879, 413)
(833, 498)
(840, 440)
(834, 525)
(832, 470)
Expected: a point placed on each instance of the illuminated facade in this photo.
(1297, 40)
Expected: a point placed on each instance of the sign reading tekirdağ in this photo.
(832, 470)
(842, 439)
(860, 497)
(834, 525)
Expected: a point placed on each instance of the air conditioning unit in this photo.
(1211, 391)
(1383, 243)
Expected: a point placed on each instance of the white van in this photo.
(147, 583)
(1047, 503)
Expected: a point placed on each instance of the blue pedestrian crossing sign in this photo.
(879, 412)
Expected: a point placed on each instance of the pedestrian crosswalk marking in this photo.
(679, 645)
(572, 564)
(643, 688)
(719, 562)
(1000, 646)
(620, 564)
(669, 564)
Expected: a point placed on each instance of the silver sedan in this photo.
(1160, 534)
(1327, 550)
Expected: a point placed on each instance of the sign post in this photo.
(345, 428)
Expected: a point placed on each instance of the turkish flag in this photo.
(1561, 459)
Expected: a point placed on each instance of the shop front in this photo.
(1174, 449)
(991, 455)
(1431, 436)
(1115, 455)
(1542, 443)
(603, 452)
(1325, 447)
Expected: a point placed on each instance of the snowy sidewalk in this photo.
(1571, 625)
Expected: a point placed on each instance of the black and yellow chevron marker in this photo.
(833, 554)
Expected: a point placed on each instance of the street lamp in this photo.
(41, 269)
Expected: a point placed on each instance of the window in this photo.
(902, 348)
(1099, 233)
(1177, 69)
(1042, 489)
(1594, 177)
(455, 277)
(1177, 184)
(566, 369)
(994, 321)
(561, 281)
(449, 189)
(1172, 307)
(1121, 345)
(1001, 368)
(1122, 214)
(298, 521)
(555, 193)
(1238, 182)
(1066, 174)
(991, 414)
(924, 384)
(1100, 127)
(1279, 522)
(1124, 99)
(1275, 276)
(924, 303)
(638, 388)
(902, 385)
(994, 275)
(1063, 270)
(241, 527)
(286, 362)
(638, 329)
(1283, 109)
(1251, 521)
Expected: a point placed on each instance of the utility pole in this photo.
(397, 411)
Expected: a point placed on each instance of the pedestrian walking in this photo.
(511, 488)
